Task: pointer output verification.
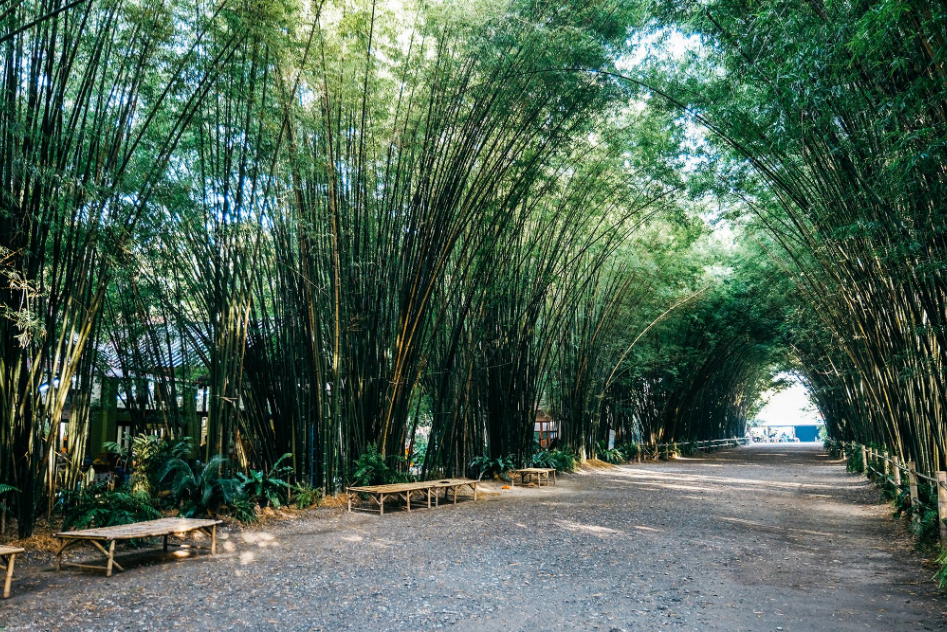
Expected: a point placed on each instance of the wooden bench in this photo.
(163, 527)
(538, 473)
(454, 484)
(406, 491)
(8, 552)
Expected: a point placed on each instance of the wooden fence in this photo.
(714, 444)
(878, 465)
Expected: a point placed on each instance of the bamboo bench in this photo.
(8, 552)
(539, 473)
(406, 491)
(163, 527)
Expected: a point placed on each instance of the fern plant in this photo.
(6, 489)
(244, 509)
(148, 456)
(629, 450)
(268, 487)
(485, 466)
(306, 496)
(203, 491)
(372, 468)
(99, 506)
(613, 456)
(4, 508)
(563, 461)
(941, 575)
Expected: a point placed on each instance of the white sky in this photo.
(788, 407)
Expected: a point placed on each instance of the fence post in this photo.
(912, 482)
(897, 472)
(638, 452)
(864, 460)
(942, 506)
(884, 460)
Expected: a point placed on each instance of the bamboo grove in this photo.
(414, 226)
(833, 118)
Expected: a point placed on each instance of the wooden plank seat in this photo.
(7, 560)
(406, 491)
(539, 474)
(162, 527)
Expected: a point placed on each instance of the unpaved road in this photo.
(772, 537)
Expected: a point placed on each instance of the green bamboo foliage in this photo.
(851, 147)
(93, 107)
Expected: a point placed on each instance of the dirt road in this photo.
(772, 537)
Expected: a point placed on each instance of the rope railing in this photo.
(870, 459)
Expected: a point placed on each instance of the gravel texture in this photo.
(767, 537)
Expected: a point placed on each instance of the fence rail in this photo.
(890, 468)
(709, 444)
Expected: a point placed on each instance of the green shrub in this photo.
(629, 450)
(563, 461)
(372, 468)
(244, 509)
(6, 489)
(485, 466)
(941, 575)
(305, 496)
(613, 456)
(99, 506)
(201, 491)
(833, 447)
(268, 487)
(150, 455)
(853, 459)
(926, 528)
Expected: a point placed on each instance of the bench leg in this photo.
(408, 498)
(11, 560)
(474, 487)
(349, 494)
(381, 503)
(213, 540)
(108, 570)
(428, 497)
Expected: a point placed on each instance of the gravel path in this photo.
(768, 537)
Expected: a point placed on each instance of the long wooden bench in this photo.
(162, 527)
(10, 553)
(406, 491)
